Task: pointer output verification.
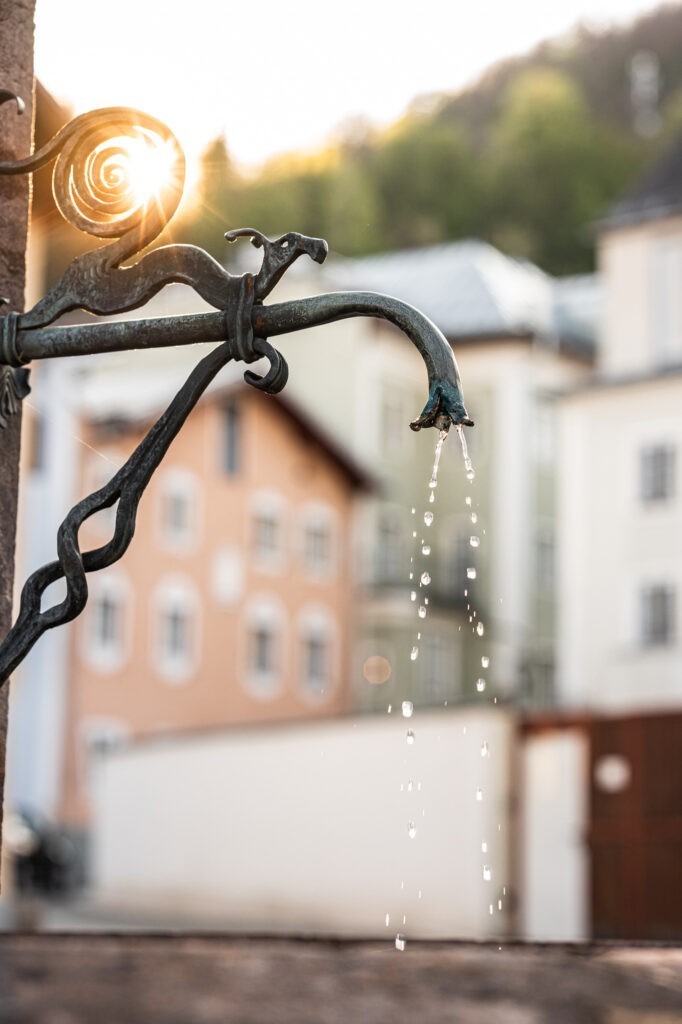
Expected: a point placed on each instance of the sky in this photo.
(278, 76)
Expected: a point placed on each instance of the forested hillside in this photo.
(528, 158)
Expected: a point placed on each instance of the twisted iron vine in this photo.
(94, 189)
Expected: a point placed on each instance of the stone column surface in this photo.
(16, 74)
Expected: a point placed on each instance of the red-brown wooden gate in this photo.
(636, 827)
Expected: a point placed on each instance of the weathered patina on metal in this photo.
(94, 189)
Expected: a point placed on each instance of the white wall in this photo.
(305, 828)
(554, 879)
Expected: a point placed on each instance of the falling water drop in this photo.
(388, 920)
(413, 511)
(487, 873)
(426, 549)
(479, 794)
(400, 942)
(467, 501)
(474, 517)
(413, 595)
(428, 518)
(425, 579)
(410, 738)
(411, 829)
(480, 629)
(407, 708)
(414, 533)
(467, 461)
(485, 749)
(421, 611)
(410, 785)
(484, 847)
(414, 654)
(471, 573)
(480, 685)
(485, 661)
(432, 497)
(474, 541)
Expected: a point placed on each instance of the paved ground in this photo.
(126, 979)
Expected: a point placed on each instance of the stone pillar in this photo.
(16, 75)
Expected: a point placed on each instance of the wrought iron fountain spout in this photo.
(94, 189)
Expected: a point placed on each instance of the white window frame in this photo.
(270, 505)
(264, 612)
(179, 483)
(317, 622)
(176, 593)
(315, 516)
(109, 657)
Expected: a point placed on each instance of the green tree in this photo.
(553, 172)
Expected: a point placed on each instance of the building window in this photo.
(179, 509)
(175, 634)
(315, 663)
(264, 642)
(317, 630)
(267, 531)
(318, 542)
(658, 615)
(264, 651)
(267, 539)
(106, 624)
(657, 472)
(176, 645)
(231, 448)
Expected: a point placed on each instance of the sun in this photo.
(150, 168)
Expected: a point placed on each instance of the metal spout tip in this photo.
(444, 408)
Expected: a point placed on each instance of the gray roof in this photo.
(471, 289)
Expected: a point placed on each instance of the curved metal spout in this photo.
(445, 404)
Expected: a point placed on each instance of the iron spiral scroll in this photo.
(95, 189)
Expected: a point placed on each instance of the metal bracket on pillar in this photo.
(118, 175)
